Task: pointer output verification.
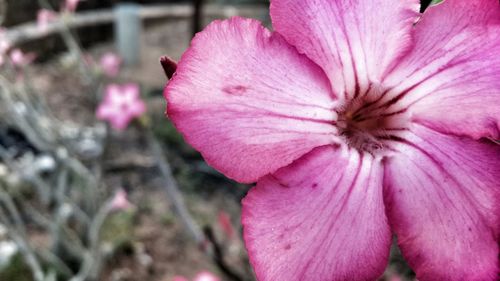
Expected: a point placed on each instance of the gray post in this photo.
(128, 26)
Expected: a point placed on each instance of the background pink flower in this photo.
(44, 17)
(357, 119)
(71, 5)
(120, 201)
(206, 276)
(201, 276)
(121, 104)
(4, 44)
(110, 64)
(21, 59)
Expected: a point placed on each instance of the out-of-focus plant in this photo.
(53, 184)
(50, 176)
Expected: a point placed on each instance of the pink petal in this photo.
(130, 91)
(321, 218)
(454, 69)
(137, 108)
(354, 41)
(442, 198)
(113, 94)
(248, 101)
(179, 278)
(105, 110)
(120, 122)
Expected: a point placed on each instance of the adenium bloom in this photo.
(357, 119)
(120, 201)
(44, 17)
(206, 276)
(4, 44)
(121, 104)
(20, 59)
(110, 64)
(71, 5)
(202, 276)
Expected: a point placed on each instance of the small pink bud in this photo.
(44, 17)
(206, 276)
(71, 5)
(110, 64)
(120, 201)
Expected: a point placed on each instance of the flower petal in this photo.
(321, 218)
(442, 199)
(136, 108)
(248, 101)
(454, 68)
(354, 41)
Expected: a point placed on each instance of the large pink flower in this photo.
(357, 119)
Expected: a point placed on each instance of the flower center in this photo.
(372, 126)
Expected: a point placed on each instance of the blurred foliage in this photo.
(17, 270)
(119, 228)
(168, 218)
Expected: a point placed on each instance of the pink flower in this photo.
(121, 105)
(357, 119)
(120, 201)
(206, 276)
(44, 17)
(179, 278)
(110, 64)
(71, 5)
(4, 44)
(21, 59)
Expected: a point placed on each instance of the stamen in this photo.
(368, 127)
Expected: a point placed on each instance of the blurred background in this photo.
(95, 183)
